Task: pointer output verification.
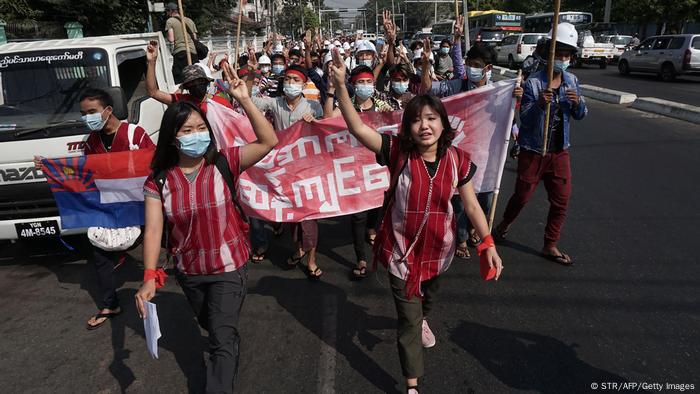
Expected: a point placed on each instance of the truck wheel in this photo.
(668, 73)
(603, 64)
(511, 62)
(623, 67)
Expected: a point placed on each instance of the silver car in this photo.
(667, 56)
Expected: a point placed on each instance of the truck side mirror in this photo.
(120, 106)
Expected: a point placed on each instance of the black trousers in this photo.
(216, 301)
(104, 263)
(180, 62)
(360, 222)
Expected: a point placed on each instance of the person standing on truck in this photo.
(563, 93)
(108, 134)
(176, 36)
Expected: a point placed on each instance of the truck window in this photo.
(696, 42)
(131, 66)
(40, 89)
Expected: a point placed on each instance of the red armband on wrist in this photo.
(157, 274)
(486, 242)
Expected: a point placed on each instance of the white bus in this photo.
(542, 23)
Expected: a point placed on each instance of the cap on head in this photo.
(193, 72)
(171, 7)
(264, 59)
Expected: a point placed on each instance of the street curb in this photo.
(672, 109)
(608, 95)
(689, 113)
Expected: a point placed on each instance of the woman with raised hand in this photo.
(416, 239)
(192, 191)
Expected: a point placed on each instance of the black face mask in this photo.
(199, 90)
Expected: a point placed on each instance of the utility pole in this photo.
(303, 28)
(608, 4)
(376, 17)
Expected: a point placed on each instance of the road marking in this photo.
(327, 356)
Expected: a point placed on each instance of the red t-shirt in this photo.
(202, 104)
(121, 142)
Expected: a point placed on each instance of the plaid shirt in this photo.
(394, 103)
(416, 240)
(206, 233)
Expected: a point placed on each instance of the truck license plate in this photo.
(42, 229)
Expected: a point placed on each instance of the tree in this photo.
(289, 17)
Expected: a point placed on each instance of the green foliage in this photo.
(289, 17)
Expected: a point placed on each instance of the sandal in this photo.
(563, 259)
(369, 238)
(105, 316)
(499, 233)
(359, 272)
(412, 390)
(293, 260)
(473, 239)
(258, 256)
(314, 274)
(462, 252)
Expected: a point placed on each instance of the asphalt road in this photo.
(685, 89)
(627, 312)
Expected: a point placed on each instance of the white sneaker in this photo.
(428, 337)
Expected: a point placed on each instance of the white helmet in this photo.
(364, 45)
(278, 48)
(346, 46)
(566, 34)
(327, 58)
(264, 59)
(336, 43)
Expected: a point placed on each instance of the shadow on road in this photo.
(305, 301)
(527, 361)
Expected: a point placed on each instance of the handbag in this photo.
(202, 50)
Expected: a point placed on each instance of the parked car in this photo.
(421, 35)
(489, 35)
(592, 52)
(620, 42)
(667, 56)
(513, 49)
(437, 39)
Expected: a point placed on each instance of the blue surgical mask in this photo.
(399, 87)
(94, 121)
(255, 91)
(194, 144)
(560, 66)
(292, 90)
(367, 63)
(364, 91)
(444, 51)
(265, 69)
(475, 74)
(278, 69)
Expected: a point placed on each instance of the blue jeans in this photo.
(463, 225)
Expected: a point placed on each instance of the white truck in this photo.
(592, 52)
(40, 83)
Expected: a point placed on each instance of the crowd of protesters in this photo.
(210, 239)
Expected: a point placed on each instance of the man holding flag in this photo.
(547, 159)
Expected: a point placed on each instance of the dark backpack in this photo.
(222, 165)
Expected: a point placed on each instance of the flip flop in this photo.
(563, 259)
(359, 272)
(498, 234)
(293, 260)
(462, 252)
(100, 315)
(257, 257)
(314, 274)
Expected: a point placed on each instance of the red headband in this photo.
(362, 75)
(297, 72)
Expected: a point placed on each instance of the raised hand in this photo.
(337, 68)
(459, 27)
(425, 56)
(237, 87)
(307, 40)
(389, 27)
(152, 51)
(252, 60)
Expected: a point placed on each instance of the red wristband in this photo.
(157, 274)
(486, 242)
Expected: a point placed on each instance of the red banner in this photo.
(320, 170)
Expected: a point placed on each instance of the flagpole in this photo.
(492, 211)
(550, 73)
(238, 36)
(185, 34)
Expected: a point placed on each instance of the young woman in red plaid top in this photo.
(207, 235)
(416, 239)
